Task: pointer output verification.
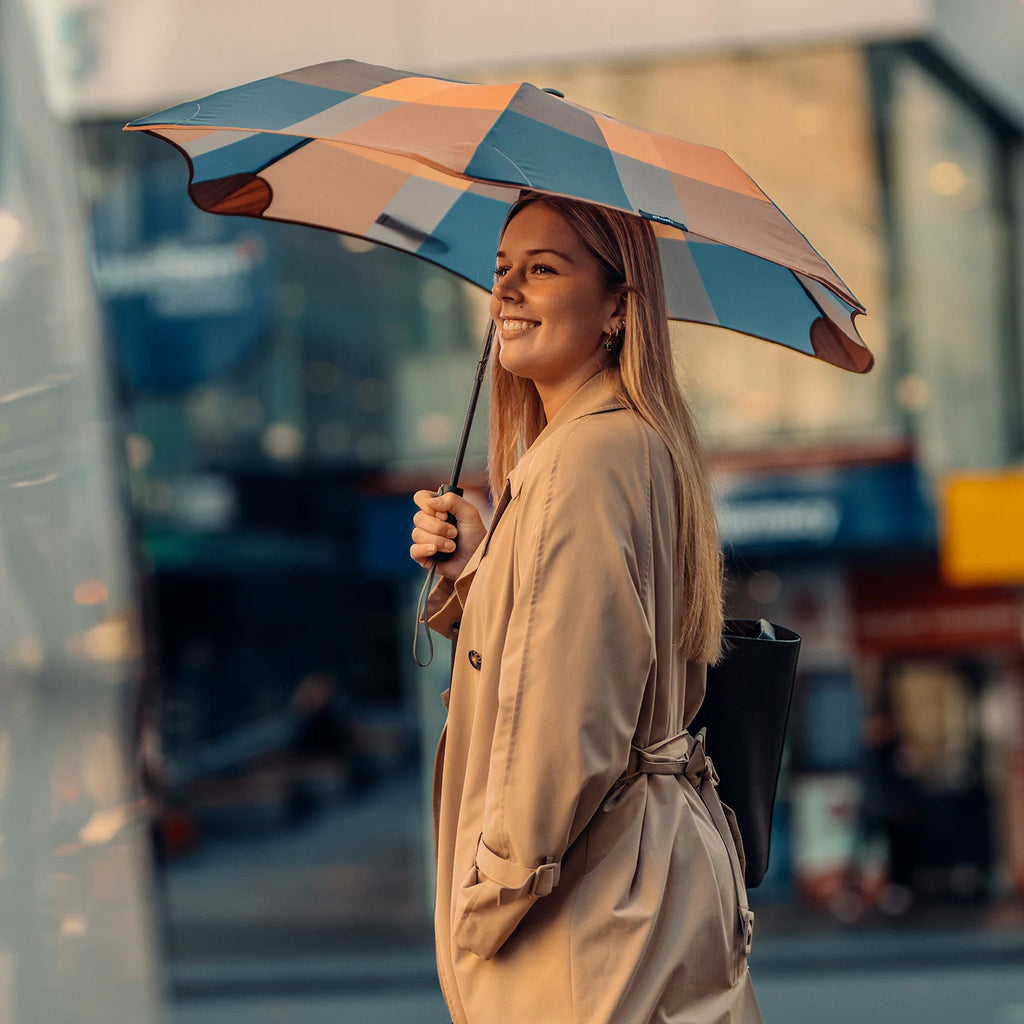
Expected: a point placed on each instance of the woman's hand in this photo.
(432, 532)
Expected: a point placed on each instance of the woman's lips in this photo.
(513, 327)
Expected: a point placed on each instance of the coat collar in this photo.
(593, 396)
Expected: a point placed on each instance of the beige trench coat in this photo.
(575, 883)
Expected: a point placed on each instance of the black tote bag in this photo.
(745, 712)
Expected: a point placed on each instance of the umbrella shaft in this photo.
(471, 411)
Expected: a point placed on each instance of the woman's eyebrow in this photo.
(537, 252)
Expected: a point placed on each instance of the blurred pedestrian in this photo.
(323, 745)
(585, 868)
(890, 810)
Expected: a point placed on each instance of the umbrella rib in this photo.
(301, 143)
(416, 158)
(522, 173)
(415, 234)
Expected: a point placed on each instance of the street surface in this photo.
(969, 995)
(329, 923)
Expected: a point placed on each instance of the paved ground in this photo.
(329, 922)
(413, 1008)
(926, 995)
(922, 995)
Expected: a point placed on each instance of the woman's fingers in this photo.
(441, 504)
(470, 525)
(440, 541)
(430, 522)
(422, 554)
(431, 502)
(435, 510)
(432, 532)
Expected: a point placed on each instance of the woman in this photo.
(585, 870)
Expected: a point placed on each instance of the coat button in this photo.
(475, 660)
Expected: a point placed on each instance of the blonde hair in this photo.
(642, 376)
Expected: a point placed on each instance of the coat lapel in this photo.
(465, 580)
(592, 397)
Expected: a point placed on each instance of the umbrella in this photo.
(431, 166)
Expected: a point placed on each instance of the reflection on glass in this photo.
(946, 178)
(951, 251)
(90, 592)
(75, 932)
(10, 234)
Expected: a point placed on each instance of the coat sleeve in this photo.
(578, 655)
(443, 607)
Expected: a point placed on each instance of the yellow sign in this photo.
(982, 531)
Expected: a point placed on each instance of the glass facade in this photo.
(952, 269)
(79, 749)
(1015, 166)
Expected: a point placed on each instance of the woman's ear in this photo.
(618, 313)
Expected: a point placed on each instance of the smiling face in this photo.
(551, 305)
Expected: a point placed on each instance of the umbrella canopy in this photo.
(431, 167)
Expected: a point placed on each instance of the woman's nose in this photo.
(507, 286)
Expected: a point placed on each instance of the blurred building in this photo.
(285, 390)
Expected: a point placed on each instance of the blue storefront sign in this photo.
(845, 509)
(187, 295)
(848, 508)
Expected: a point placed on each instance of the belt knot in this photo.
(681, 754)
(700, 766)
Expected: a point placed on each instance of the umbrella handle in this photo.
(443, 556)
(428, 583)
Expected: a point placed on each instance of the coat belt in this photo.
(686, 755)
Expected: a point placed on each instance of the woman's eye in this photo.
(537, 268)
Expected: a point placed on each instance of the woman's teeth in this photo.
(512, 326)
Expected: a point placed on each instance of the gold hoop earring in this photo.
(614, 341)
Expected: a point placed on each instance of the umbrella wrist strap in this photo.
(421, 627)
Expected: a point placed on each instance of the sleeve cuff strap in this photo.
(514, 879)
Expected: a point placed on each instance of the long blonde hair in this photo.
(642, 376)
